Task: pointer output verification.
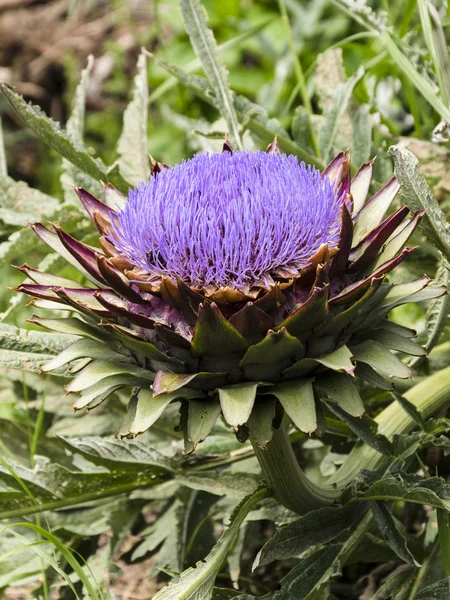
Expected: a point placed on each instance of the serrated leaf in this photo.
(315, 528)
(26, 340)
(113, 454)
(436, 591)
(132, 145)
(3, 166)
(362, 135)
(409, 488)
(73, 175)
(333, 117)
(52, 134)
(230, 484)
(202, 39)
(362, 428)
(20, 203)
(198, 583)
(252, 115)
(418, 196)
(388, 529)
(438, 311)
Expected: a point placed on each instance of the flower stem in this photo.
(291, 486)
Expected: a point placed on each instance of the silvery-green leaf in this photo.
(132, 145)
(316, 527)
(339, 360)
(3, 166)
(52, 134)
(197, 583)
(362, 136)
(202, 39)
(418, 196)
(260, 423)
(389, 530)
(73, 175)
(438, 310)
(111, 453)
(334, 115)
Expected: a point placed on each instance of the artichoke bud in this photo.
(241, 284)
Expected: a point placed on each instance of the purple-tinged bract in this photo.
(229, 219)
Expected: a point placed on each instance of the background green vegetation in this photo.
(325, 76)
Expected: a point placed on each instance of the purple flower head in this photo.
(229, 219)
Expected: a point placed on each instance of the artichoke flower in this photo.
(242, 284)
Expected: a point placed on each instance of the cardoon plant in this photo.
(244, 285)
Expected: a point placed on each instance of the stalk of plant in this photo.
(241, 284)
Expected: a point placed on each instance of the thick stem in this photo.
(291, 486)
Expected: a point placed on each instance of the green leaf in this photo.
(315, 528)
(202, 39)
(20, 204)
(231, 484)
(411, 409)
(333, 117)
(408, 488)
(340, 389)
(362, 428)
(85, 348)
(3, 166)
(198, 583)
(25, 361)
(297, 399)
(438, 311)
(436, 591)
(362, 135)
(418, 196)
(51, 486)
(237, 402)
(254, 116)
(26, 340)
(132, 146)
(51, 133)
(339, 360)
(388, 529)
(72, 175)
(114, 454)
